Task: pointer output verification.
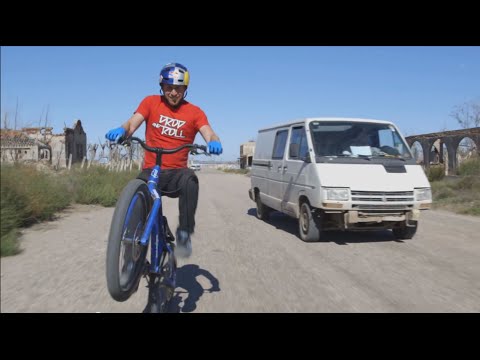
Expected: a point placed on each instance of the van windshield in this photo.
(357, 139)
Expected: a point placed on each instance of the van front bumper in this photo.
(354, 217)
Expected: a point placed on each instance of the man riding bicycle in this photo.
(171, 121)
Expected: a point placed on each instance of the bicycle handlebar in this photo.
(193, 147)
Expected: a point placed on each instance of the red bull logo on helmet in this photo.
(174, 74)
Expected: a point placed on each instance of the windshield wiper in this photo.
(366, 157)
(390, 157)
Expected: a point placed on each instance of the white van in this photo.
(339, 173)
(195, 166)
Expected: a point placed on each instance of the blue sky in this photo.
(241, 88)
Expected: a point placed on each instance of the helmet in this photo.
(174, 74)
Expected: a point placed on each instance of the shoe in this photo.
(184, 244)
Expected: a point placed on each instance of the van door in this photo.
(275, 173)
(294, 170)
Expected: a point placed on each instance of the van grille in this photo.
(390, 201)
(383, 196)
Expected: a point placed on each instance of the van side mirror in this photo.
(293, 152)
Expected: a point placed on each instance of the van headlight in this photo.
(423, 194)
(337, 194)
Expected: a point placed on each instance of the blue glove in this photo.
(116, 134)
(214, 147)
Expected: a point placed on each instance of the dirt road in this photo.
(242, 264)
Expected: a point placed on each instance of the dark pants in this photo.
(181, 183)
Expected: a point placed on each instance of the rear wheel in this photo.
(263, 211)
(405, 232)
(308, 224)
(161, 287)
(125, 255)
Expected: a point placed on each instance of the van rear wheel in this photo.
(309, 226)
(263, 211)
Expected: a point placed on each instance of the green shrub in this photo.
(444, 193)
(9, 244)
(473, 209)
(470, 167)
(458, 194)
(470, 182)
(10, 221)
(436, 172)
(98, 185)
(29, 196)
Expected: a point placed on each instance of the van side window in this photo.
(279, 145)
(299, 138)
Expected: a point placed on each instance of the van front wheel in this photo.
(405, 232)
(309, 226)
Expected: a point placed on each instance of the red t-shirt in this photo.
(170, 128)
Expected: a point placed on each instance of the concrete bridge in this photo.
(451, 140)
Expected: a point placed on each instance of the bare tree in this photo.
(467, 114)
(46, 130)
(134, 152)
(47, 122)
(5, 121)
(16, 112)
(40, 119)
(92, 150)
(114, 154)
(102, 152)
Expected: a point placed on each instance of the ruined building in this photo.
(246, 154)
(40, 144)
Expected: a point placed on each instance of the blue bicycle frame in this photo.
(155, 224)
(155, 227)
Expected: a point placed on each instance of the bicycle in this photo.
(137, 222)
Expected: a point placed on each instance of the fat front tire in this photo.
(125, 260)
(308, 225)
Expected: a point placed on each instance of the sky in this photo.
(240, 88)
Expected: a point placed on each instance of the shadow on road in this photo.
(290, 225)
(279, 220)
(187, 276)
